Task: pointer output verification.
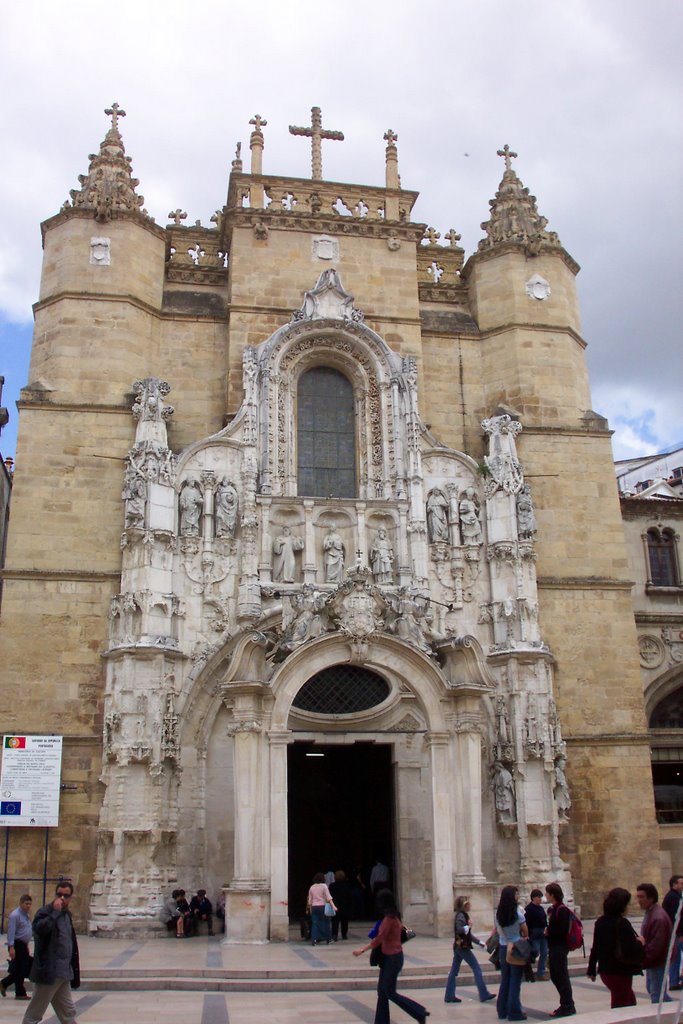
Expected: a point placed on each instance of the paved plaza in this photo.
(203, 981)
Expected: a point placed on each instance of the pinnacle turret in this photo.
(109, 185)
(514, 217)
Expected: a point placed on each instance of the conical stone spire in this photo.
(109, 186)
(514, 217)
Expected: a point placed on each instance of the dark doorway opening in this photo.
(340, 805)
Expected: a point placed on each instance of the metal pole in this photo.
(47, 840)
(4, 880)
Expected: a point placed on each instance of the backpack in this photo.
(575, 933)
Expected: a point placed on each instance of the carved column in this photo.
(247, 902)
(279, 846)
(468, 789)
(442, 852)
(309, 560)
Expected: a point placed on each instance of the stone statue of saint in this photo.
(308, 623)
(526, 518)
(284, 562)
(561, 791)
(191, 505)
(333, 556)
(382, 558)
(504, 794)
(470, 527)
(226, 507)
(135, 496)
(437, 516)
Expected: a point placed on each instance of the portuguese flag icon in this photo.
(15, 742)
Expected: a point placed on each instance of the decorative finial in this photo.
(432, 236)
(452, 236)
(237, 162)
(508, 154)
(115, 112)
(258, 121)
(316, 133)
(177, 215)
(390, 137)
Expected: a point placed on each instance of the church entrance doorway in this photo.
(341, 816)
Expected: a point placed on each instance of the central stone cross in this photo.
(508, 154)
(316, 133)
(115, 112)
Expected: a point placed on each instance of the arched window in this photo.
(342, 690)
(667, 758)
(662, 555)
(326, 435)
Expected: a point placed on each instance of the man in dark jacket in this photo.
(55, 960)
(655, 933)
(670, 904)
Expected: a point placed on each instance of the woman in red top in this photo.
(389, 939)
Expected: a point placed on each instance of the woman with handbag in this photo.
(617, 952)
(462, 950)
(388, 939)
(319, 899)
(512, 933)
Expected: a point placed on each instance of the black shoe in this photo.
(3, 990)
(453, 1000)
(675, 988)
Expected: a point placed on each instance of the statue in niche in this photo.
(135, 496)
(437, 516)
(504, 794)
(468, 511)
(382, 558)
(191, 504)
(225, 509)
(307, 608)
(526, 518)
(534, 739)
(561, 790)
(284, 561)
(333, 556)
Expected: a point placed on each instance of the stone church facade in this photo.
(378, 529)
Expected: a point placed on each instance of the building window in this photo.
(342, 690)
(662, 555)
(326, 435)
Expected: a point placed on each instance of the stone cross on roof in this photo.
(115, 112)
(508, 154)
(258, 121)
(316, 133)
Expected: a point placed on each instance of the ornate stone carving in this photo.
(100, 252)
(437, 516)
(134, 496)
(504, 470)
(382, 558)
(149, 403)
(652, 651)
(109, 186)
(533, 729)
(357, 608)
(170, 743)
(329, 300)
(674, 643)
(412, 617)
(190, 504)
(226, 508)
(333, 556)
(537, 288)
(503, 786)
(470, 525)
(285, 547)
(561, 789)
(324, 247)
(503, 744)
(526, 517)
(514, 217)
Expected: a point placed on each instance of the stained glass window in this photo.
(326, 435)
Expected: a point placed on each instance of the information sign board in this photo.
(30, 780)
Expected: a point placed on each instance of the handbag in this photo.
(329, 910)
(406, 934)
(518, 953)
(376, 957)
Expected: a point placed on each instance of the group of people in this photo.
(184, 917)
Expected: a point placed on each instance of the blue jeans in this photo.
(468, 956)
(320, 925)
(654, 979)
(386, 990)
(539, 945)
(675, 967)
(508, 1003)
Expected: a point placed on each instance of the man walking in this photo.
(655, 933)
(670, 904)
(19, 935)
(55, 960)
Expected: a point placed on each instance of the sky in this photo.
(589, 93)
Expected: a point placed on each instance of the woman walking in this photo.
(318, 897)
(388, 939)
(511, 926)
(617, 952)
(462, 950)
(559, 923)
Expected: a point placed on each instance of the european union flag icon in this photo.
(8, 807)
